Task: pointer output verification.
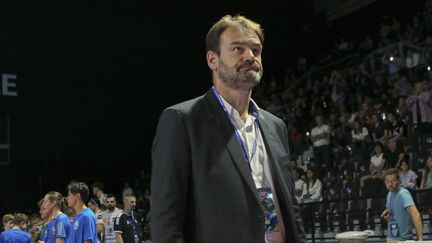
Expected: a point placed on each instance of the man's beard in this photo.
(240, 77)
(110, 207)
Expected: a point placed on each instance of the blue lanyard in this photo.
(133, 223)
(239, 138)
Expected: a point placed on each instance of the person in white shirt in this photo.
(108, 218)
(312, 189)
(372, 182)
(299, 184)
(320, 137)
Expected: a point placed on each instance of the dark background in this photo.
(92, 78)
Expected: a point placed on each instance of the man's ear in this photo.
(212, 60)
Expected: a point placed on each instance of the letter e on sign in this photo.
(8, 86)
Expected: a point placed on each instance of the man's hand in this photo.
(385, 214)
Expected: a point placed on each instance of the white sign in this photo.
(8, 85)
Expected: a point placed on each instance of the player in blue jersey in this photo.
(58, 227)
(16, 234)
(83, 227)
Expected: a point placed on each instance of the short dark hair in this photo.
(109, 195)
(227, 21)
(81, 188)
(94, 200)
(98, 184)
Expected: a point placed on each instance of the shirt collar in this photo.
(233, 113)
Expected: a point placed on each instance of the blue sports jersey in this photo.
(15, 236)
(58, 228)
(83, 227)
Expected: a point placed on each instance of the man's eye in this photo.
(256, 51)
(237, 49)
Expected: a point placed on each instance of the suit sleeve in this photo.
(170, 178)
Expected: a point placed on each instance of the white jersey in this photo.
(108, 218)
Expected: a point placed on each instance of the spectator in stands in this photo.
(58, 227)
(339, 88)
(108, 218)
(420, 105)
(17, 233)
(94, 205)
(412, 58)
(340, 133)
(367, 111)
(394, 62)
(312, 189)
(320, 136)
(98, 191)
(299, 184)
(297, 140)
(372, 182)
(378, 131)
(360, 135)
(7, 221)
(407, 177)
(402, 85)
(401, 212)
(84, 223)
(377, 163)
(426, 182)
(393, 154)
(395, 128)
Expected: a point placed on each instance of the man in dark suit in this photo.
(221, 166)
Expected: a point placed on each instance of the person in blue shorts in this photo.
(83, 226)
(58, 227)
(16, 234)
(400, 211)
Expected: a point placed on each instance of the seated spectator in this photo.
(426, 181)
(312, 189)
(372, 184)
(360, 135)
(393, 154)
(408, 178)
(377, 163)
(378, 131)
(299, 184)
(395, 128)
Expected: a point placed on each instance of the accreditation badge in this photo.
(394, 229)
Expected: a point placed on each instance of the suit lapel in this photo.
(267, 133)
(224, 128)
(279, 179)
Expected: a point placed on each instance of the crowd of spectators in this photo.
(368, 117)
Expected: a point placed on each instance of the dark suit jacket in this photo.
(202, 188)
